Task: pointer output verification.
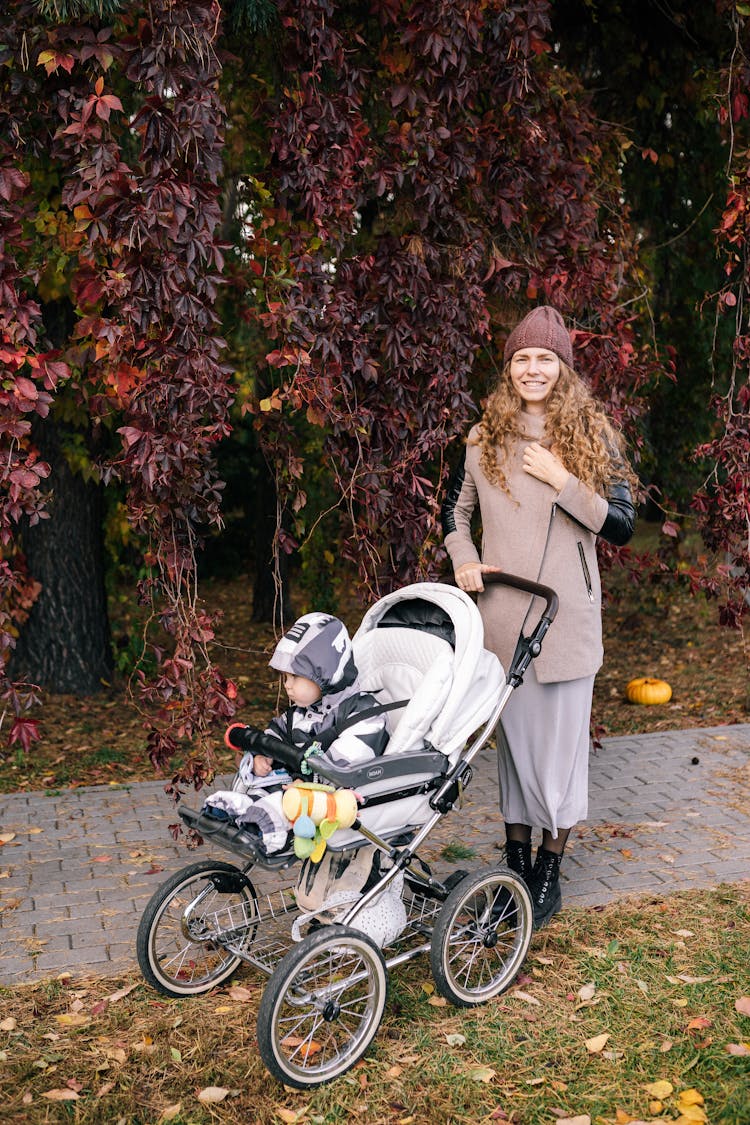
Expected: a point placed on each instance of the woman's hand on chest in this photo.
(545, 466)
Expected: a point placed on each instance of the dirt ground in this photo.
(649, 631)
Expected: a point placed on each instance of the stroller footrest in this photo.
(234, 838)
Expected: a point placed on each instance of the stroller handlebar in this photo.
(528, 647)
(518, 583)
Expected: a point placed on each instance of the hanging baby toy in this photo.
(316, 811)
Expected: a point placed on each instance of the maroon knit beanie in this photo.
(543, 327)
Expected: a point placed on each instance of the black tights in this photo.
(521, 834)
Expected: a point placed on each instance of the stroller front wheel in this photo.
(322, 1006)
(181, 943)
(481, 937)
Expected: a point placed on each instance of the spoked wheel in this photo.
(481, 937)
(322, 1006)
(176, 947)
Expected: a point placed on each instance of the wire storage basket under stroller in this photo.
(327, 943)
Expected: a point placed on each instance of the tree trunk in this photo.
(65, 646)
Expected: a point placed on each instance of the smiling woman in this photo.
(544, 466)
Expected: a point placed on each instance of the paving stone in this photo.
(685, 824)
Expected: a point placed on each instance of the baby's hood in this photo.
(317, 646)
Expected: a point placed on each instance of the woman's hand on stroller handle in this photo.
(469, 576)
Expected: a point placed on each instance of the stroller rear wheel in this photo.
(176, 943)
(481, 937)
(322, 1006)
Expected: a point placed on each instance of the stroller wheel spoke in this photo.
(305, 1042)
(481, 937)
(178, 944)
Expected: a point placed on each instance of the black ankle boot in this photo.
(545, 887)
(518, 858)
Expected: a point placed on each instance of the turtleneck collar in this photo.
(531, 425)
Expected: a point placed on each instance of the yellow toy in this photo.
(316, 811)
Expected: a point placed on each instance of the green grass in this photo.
(455, 850)
(660, 977)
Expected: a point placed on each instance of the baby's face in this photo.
(301, 691)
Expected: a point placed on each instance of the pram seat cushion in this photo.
(403, 663)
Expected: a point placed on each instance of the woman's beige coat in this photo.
(539, 534)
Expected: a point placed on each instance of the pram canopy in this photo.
(451, 684)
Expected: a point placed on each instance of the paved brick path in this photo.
(667, 811)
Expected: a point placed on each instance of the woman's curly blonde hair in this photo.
(576, 428)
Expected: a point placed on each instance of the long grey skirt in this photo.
(543, 758)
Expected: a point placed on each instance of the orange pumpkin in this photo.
(647, 690)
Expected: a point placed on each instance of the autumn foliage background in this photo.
(258, 264)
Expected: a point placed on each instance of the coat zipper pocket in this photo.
(586, 572)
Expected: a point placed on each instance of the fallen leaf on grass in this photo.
(661, 1089)
(290, 1116)
(587, 991)
(73, 1019)
(8, 1024)
(437, 1001)
(738, 1049)
(456, 1040)
(742, 1005)
(239, 992)
(582, 1119)
(307, 1048)
(689, 1097)
(525, 996)
(692, 1115)
(597, 1043)
(394, 1072)
(107, 1088)
(61, 1095)
(121, 993)
(700, 1023)
(482, 1074)
(171, 1111)
(210, 1094)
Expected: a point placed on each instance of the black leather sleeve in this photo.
(448, 507)
(620, 522)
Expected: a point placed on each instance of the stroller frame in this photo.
(326, 992)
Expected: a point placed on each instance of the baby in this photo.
(316, 660)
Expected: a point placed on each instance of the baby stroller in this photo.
(420, 651)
